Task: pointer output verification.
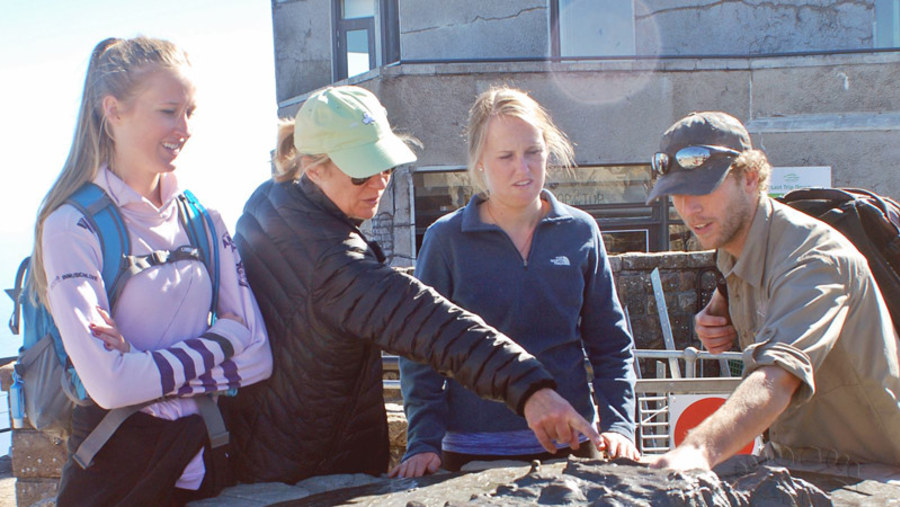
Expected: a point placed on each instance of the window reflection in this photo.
(591, 28)
(357, 52)
(358, 9)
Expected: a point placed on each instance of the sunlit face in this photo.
(151, 128)
(722, 218)
(514, 160)
(356, 201)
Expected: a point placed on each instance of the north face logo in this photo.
(560, 260)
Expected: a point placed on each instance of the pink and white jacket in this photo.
(162, 312)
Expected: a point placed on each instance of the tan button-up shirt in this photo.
(801, 297)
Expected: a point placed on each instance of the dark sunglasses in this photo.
(689, 157)
(362, 181)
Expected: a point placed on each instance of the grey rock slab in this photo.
(741, 481)
(271, 493)
(581, 482)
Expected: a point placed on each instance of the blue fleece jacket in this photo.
(560, 304)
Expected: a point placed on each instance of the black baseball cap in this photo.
(709, 128)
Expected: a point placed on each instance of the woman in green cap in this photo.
(331, 306)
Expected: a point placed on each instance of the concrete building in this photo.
(817, 83)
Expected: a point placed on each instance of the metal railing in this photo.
(690, 356)
(653, 433)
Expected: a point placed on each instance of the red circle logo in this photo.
(694, 414)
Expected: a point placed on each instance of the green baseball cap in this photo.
(350, 125)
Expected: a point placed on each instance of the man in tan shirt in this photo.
(822, 371)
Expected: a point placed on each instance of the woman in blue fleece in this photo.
(535, 269)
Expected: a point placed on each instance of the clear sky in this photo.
(44, 51)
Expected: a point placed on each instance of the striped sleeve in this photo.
(198, 365)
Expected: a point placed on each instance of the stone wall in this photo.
(37, 458)
(688, 279)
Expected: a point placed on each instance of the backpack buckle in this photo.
(159, 257)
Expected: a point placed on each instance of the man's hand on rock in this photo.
(682, 458)
(551, 418)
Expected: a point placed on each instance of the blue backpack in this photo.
(46, 386)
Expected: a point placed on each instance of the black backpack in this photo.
(870, 221)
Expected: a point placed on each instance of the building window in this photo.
(587, 28)
(361, 43)
(436, 194)
(614, 195)
(887, 23)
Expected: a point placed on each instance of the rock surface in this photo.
(582, 482)
(739, 481)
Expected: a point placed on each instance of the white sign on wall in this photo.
(785, 179)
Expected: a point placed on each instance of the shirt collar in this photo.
(751, 264)
(471, 220)
(128, 198)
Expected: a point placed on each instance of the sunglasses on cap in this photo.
(362, 181)
(689, 157)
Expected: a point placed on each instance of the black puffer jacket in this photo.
(330, 306)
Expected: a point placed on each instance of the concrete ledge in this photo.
(37, 455)
(662, 260)
(34, 491)
(838, 122)
(6, 372)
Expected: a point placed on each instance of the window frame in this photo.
(555, 36)
(386, 19)
(887, 16)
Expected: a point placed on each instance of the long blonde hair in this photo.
(512, 102)
(117, 68)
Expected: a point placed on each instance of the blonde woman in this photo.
(535, 269)
(332, 305)
(156, 345)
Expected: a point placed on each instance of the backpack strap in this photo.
(206, 406)
(17, 293)
(202, 232)
(134, 264)
(104, 218)
(101, 434)
(212, 417)
(836, 195)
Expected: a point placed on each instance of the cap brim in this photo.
(370, 159)
(700, 181)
